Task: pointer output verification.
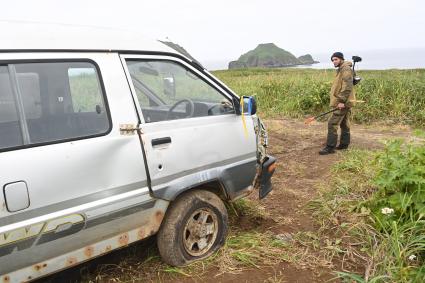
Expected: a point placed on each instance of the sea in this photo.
(406, 58)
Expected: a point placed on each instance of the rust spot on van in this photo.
(40, 266)
(159, 215)
(123, 239)
(141, 233)
(6, 279)
(71, 261)
(89, 251)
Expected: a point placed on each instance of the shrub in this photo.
(398, 209)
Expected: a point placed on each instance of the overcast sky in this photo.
(224, 29)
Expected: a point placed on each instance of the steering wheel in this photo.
(189, 113)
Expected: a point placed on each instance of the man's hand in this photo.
(341, 106)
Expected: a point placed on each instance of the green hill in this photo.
(307, 59)
(270, 56)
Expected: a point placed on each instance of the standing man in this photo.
(343, 98)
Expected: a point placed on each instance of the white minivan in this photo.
(107, 138)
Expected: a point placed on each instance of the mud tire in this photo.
(171, 240)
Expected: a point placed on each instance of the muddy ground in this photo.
(299, 174)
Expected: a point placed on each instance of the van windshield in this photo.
(167, 90)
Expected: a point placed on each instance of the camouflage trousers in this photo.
(339, 119)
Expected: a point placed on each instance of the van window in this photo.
(167, 90)
(60, 101)
(85, 90)
(10, 130)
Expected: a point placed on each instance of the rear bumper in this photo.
(267, 169)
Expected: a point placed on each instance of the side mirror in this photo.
(249, 105)
(169, 86)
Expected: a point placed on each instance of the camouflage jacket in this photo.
(342, 90)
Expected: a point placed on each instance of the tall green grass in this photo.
(376, 205)
(398, 209)
(396, 96)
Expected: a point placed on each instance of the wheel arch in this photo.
(214, 186)
(228, 182)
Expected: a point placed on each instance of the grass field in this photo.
(391, 96)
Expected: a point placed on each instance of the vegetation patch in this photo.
(391, 96)
(372, 215)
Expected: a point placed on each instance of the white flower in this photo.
(412, 257)
(387, 210)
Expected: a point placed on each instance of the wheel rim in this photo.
(200, 232)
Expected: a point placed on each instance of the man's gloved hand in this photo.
(341, 106)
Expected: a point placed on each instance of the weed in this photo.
(246, 207)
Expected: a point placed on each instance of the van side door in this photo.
(190, 131)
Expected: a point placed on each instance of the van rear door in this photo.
(70, 177)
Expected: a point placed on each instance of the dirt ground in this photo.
(299, 173)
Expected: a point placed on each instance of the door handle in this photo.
(160, 141)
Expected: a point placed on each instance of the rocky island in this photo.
(268, 55)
